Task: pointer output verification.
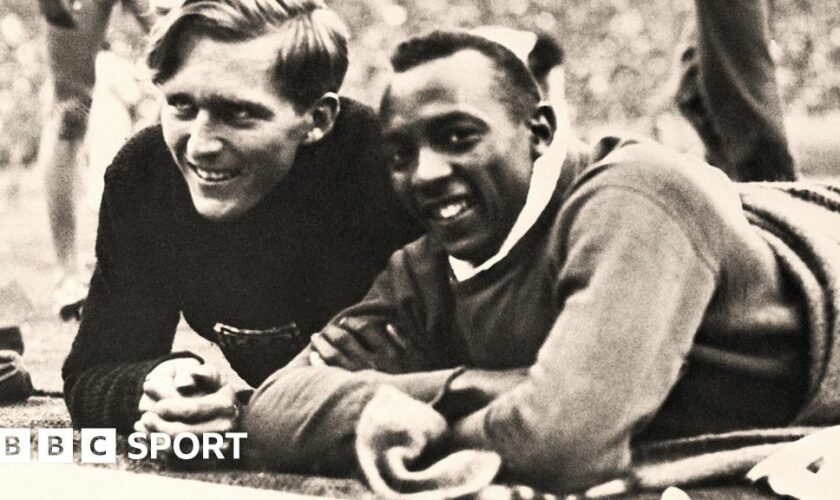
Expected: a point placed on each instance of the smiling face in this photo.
(457, 156)
(232, 135)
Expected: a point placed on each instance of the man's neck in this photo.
(544, 177)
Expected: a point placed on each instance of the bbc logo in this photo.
(97, 446)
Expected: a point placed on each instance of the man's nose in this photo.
(432, 167)
(204, 137)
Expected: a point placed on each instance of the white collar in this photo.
(544, 178)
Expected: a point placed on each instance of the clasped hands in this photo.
(183, 395)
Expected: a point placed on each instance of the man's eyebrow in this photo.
(177, 96)
(437, 121)
(223, 102)
(218, 101)
(451, 116)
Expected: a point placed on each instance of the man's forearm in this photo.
(304, 418)
(106, 395)
(470, 390)
(465, 403)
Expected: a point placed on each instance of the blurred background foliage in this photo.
(620, 54)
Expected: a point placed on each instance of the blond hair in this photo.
(311, 62)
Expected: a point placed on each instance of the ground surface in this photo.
(26, 257)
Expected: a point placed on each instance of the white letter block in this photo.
(99, 446)
(55, 446)
(14, 446)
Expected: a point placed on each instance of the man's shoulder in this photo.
(143, 171)
(631, 149)
(356, 109)
(353, 142)
(142, 158)
(698, 197)
(354, 119)
(645, 166)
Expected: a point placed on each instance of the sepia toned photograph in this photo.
(420, 249)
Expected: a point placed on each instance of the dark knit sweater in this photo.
(311, 247)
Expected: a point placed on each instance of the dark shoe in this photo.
(11, 339)
(15, 382)
(57, 13)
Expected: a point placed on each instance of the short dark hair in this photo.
(312, 62)
(546, 54)
(519, 90)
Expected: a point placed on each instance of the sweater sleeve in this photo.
(304, 418)
(631, 291)
(128, 322)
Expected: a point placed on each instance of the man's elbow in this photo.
(539, 451)
(70, 392)
(271, 424)
(297, 422)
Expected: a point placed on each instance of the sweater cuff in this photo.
(177, 355)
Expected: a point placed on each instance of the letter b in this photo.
(15, 446)
(12, 445)
(55, 446)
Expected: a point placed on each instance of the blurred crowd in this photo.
(623, 60)
(23, 76)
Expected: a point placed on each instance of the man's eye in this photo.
(459, 138)
(399, 158)
(238, 114)
(183, 108)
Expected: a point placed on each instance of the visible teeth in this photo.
(450, 210)
(208, 175)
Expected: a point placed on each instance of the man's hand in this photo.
(395, 430)
(359, 343)
(183, 395)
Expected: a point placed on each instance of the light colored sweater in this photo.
(642, 301)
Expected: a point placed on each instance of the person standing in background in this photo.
(729, 93)
(75, 33)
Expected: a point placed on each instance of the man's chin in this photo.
(474, 251)
(215, 211)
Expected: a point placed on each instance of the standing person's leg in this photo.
(730, 94)
(71, 54)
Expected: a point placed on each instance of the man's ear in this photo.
(543, 125)
(324, 114)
